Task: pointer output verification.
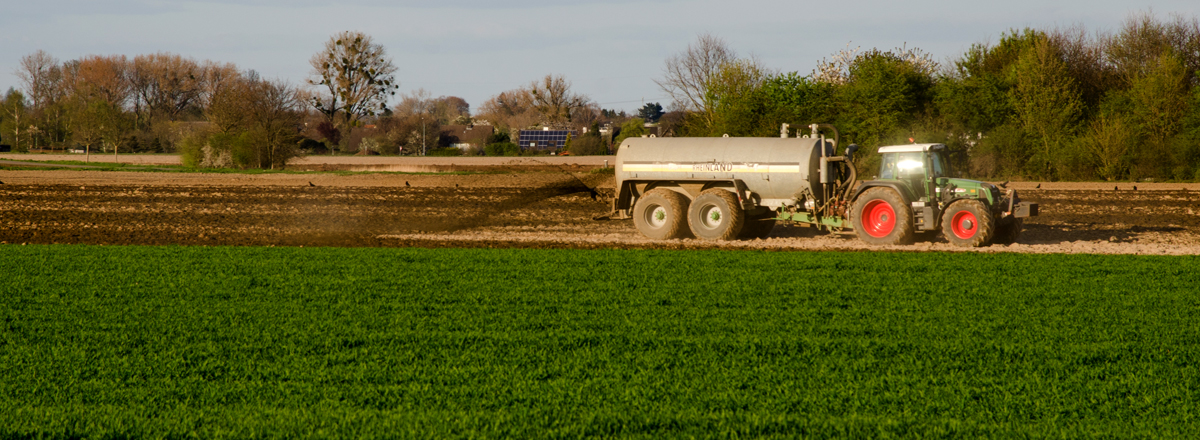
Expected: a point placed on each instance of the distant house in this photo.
(464, 136)
(544, 139)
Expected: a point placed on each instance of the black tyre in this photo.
(882, 218)
(758, 226)
(968, 223)
(661, 214)
(716, 215)
(1008, 230)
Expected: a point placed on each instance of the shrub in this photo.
(502, 149)
(588, 146)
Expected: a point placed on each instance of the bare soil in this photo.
(552, 207)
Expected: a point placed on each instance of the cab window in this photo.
(898, 165)
(939, 164)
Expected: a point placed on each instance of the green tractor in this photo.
(914, 195)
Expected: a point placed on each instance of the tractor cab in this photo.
(919, 166)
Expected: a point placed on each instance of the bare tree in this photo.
(449, 109)
(215, 77)
(274, 115)
(554, 100)
(416, 102)
(41, 75)
(358, 75)
(1143, 38)
(686, 75)
(510, 109)
(101, 77)
(165, 85)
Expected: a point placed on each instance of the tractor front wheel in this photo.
(882, 218)
(661, 214)
(968, 223)
(716, 215)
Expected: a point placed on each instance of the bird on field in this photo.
(1135, 187)
(1005, 184)
(1, 183)
(1116, 188)
(406, 183)
(1038, 186)
(456, 185)
(310, 184)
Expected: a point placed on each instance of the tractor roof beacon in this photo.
(729, 188)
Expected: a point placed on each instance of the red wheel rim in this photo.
(964, 225)
(879, 219)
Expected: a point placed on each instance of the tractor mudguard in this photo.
(901, 188)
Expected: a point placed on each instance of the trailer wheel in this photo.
(759, 226)
(716, 215)
(968, 223)
(661, 214)
(1008, 230)
(882, 218)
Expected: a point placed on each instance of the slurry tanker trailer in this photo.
(729, 188)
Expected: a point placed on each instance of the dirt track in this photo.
(549, 209)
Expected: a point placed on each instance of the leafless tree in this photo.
(41, 75)
(512, 109)
(686, 75)
(554, 100)
(101, 77)
(164, 85)
(274, 115)
(215, 77)
(416, 102)
(1143, 38)
(357, 75)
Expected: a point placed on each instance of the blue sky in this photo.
(611, 50)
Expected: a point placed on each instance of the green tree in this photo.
(884, 92)
(14, 120)
(798, 100)
(634, 127)
(651, 112)
(1157, 102)
(1047, 105)
(99, 124)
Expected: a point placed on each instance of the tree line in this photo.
(1057, 103)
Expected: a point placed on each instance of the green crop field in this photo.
(117, 342)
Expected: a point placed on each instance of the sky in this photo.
(610, 50)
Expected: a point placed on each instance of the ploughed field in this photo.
(547, 209)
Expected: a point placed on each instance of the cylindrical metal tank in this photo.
(776, 169)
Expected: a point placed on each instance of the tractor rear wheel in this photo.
(1008, 230)
(968, 223)
(882, 218)
(716, 215)
(758, 226)
(661, 214)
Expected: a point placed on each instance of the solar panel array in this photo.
(544, 139)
